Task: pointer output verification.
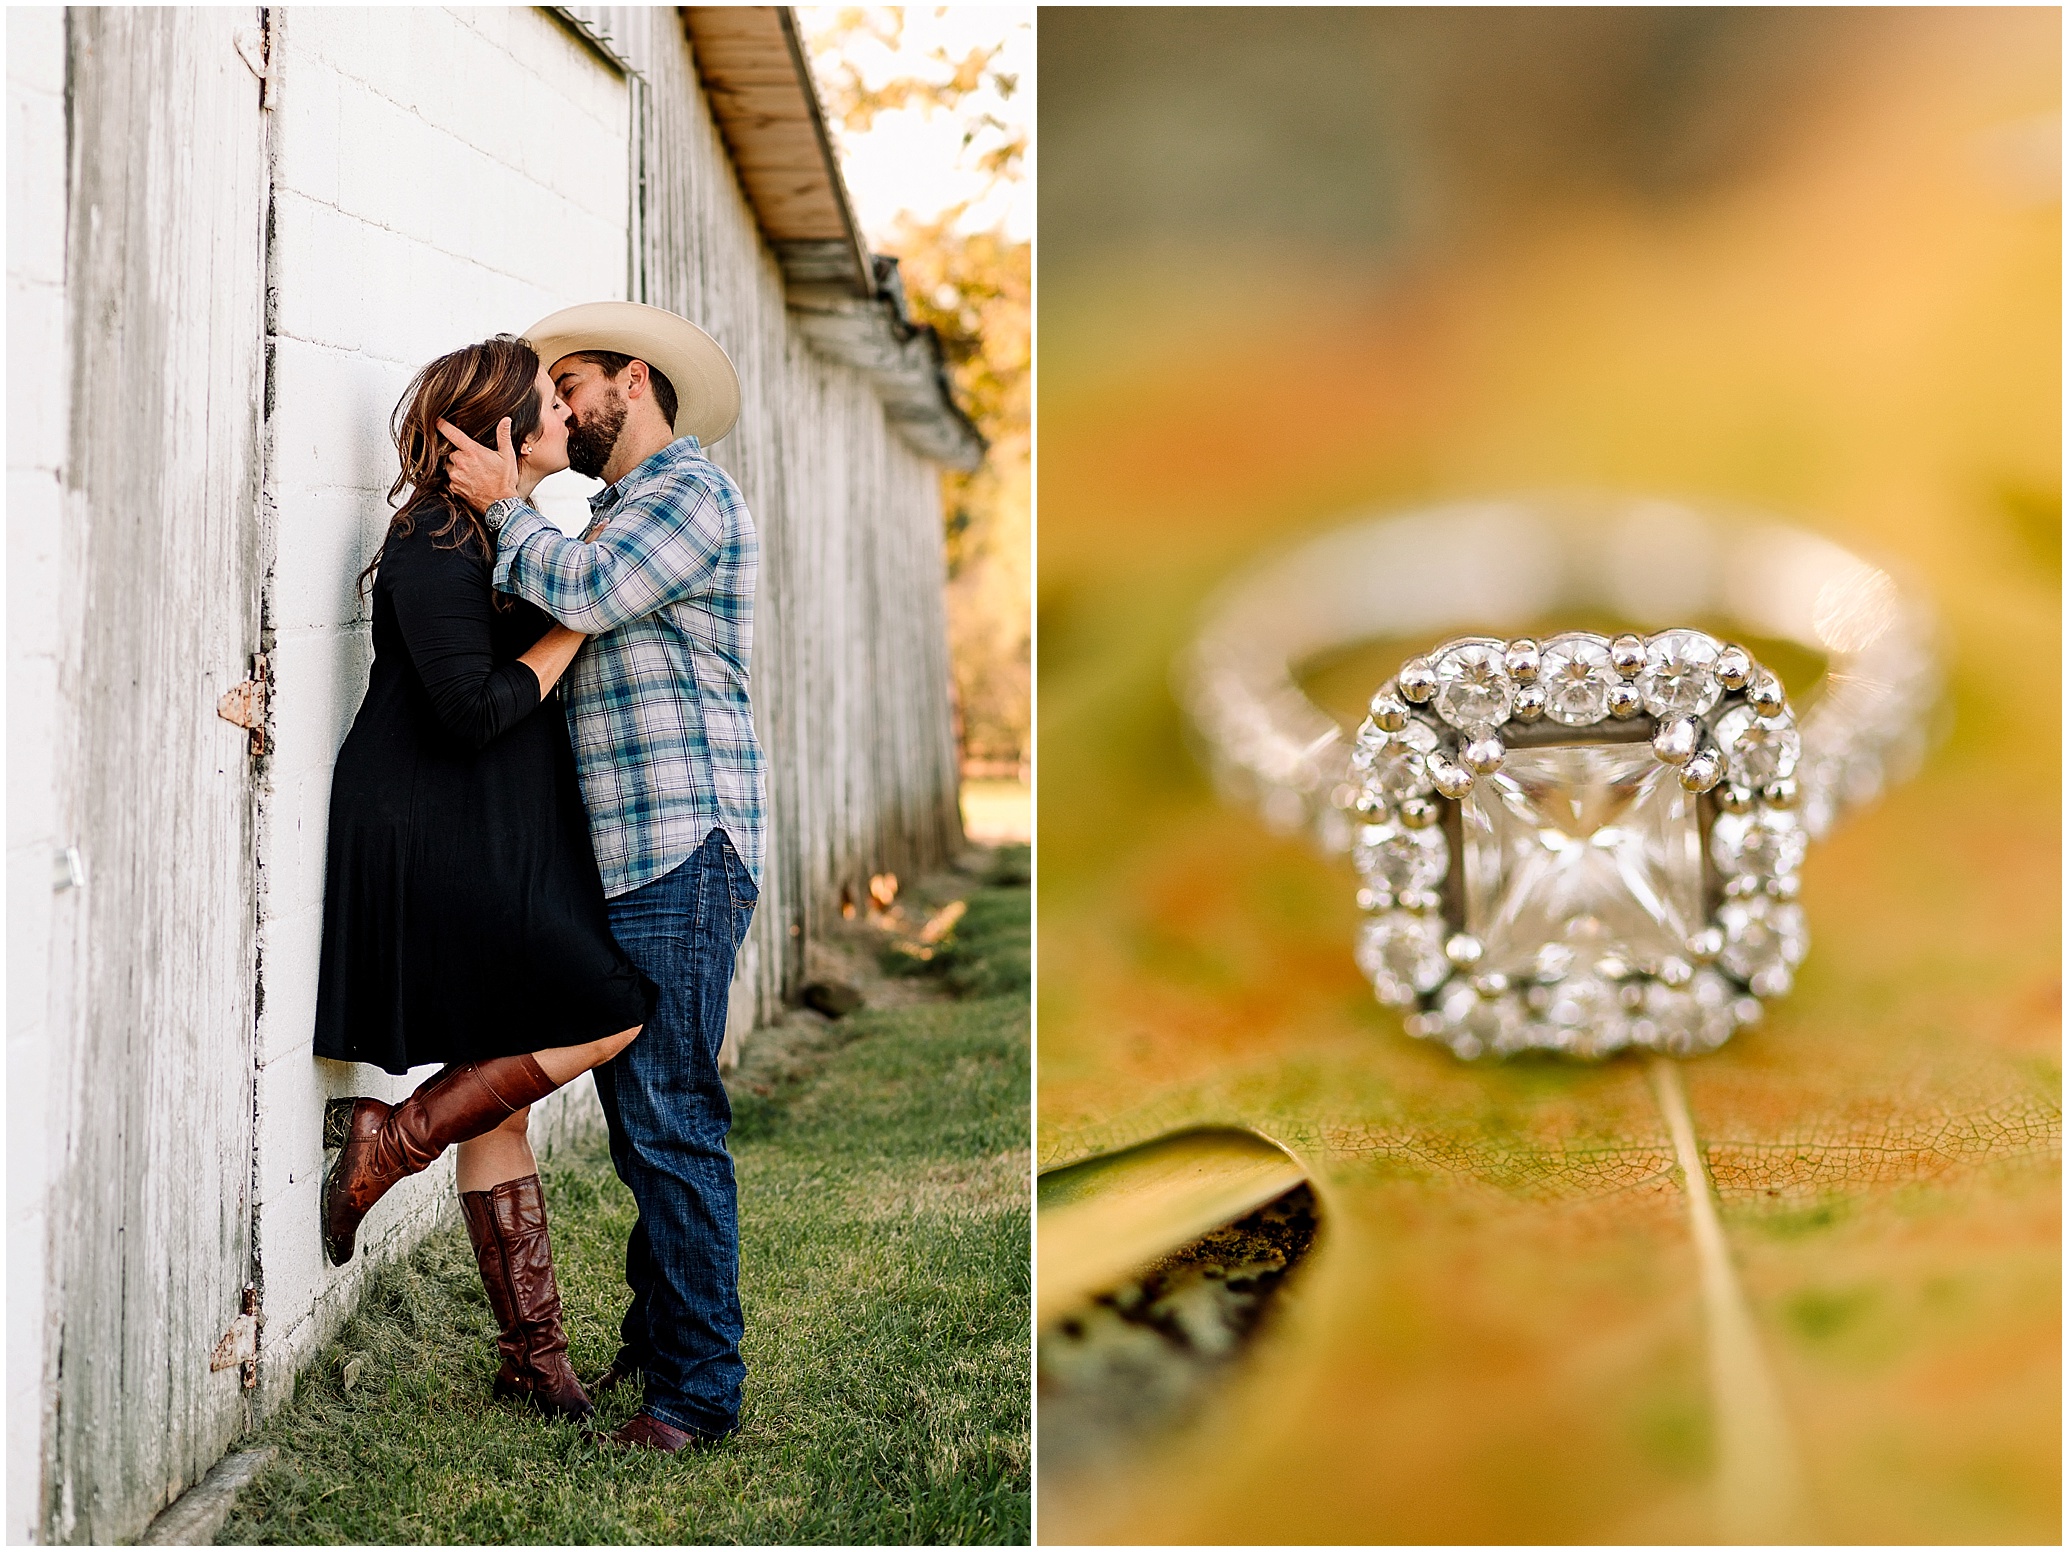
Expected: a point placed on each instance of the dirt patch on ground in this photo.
(853, 953)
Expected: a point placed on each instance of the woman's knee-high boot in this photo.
(507, 1224)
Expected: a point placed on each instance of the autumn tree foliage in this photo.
(974, 285)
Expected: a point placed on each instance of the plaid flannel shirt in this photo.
(657, 702)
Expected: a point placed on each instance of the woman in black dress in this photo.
(463, 915)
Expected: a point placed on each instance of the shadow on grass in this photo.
(884, 1274)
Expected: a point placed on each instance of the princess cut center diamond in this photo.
(1587, 851)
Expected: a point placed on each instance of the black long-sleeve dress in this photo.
(463, 914)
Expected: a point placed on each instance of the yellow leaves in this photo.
(937, 927)
(943, 921)
(928, 81)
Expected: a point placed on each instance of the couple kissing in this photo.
(546, 833)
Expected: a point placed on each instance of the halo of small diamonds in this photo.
(1695, 727)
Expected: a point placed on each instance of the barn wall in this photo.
(37, 392)
(145, 1106)
(439, 176)
(851, 670)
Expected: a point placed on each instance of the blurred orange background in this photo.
(1296, 265)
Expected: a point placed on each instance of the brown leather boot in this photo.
(379, 1145)
(507, 1224)
(647, 1432)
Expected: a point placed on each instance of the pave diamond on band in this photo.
(1578, 843)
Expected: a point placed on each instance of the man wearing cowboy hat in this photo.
(671, 773)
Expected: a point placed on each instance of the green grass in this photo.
(884, 1272)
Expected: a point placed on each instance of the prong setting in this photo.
(1417, 680)
(1674, 742)
(1483, 754)
(1703, 771)
(1452, 779)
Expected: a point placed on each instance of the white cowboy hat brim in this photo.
(707, 389)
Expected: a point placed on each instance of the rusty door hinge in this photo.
(239, 1345)
(245, 704)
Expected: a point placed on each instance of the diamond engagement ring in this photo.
(1569, 841)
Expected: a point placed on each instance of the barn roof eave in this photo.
(902, 359)
(757, 76)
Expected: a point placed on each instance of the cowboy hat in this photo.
(707, 389)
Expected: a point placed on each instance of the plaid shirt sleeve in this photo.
(660, 546)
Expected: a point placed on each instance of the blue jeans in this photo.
(668, 1117)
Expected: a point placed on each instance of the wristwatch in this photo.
(499, 513)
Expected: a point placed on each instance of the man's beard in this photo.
(591, 442)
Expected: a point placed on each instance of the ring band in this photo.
(1626, 815)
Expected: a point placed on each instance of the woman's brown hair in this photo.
(473, 387)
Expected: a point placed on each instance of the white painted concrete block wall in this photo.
(37, 380)
(439, 176)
